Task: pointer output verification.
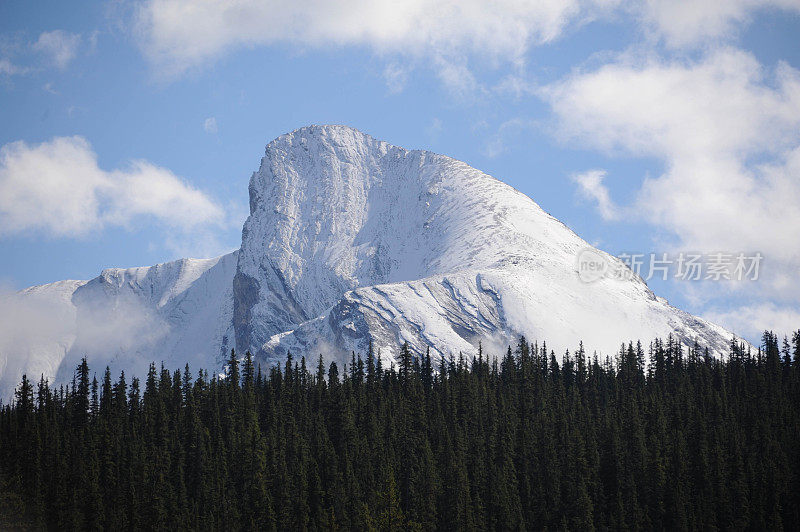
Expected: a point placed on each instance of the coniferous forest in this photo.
(660, 437)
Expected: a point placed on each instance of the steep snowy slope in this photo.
(177, 312)
(351, 238)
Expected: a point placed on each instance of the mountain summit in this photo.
(349, 239)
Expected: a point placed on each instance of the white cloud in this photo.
(592, 188)
(396, 76)
(59, 46)
(181, 34)
(177, 35)
(723, 105)
(107, 327)
(33, 323)
(458, 79)
(210, 125)
(750, 321)
(8, 68)
(689, 23)
(707, 121)
(454, 38)
(57, 188)
(43, 332)
(516, 85)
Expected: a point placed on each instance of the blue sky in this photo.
(130, 130)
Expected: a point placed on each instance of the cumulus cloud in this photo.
(56, 188)
(592, 188)
(708, 121)
(59, 46)
(724, 104)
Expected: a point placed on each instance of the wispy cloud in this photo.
(752, 320)
(434, 129)
(7, 68)
(51, 49)
(58, 46)
(592, 188)
(210, 125)
(69, 325)
(395, 75)
(35, 322)
(497, 143)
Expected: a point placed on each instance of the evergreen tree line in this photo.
(665, 437)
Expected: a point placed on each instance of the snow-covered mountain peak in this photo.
(333, 209)
(349, 239)
(340, 220)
